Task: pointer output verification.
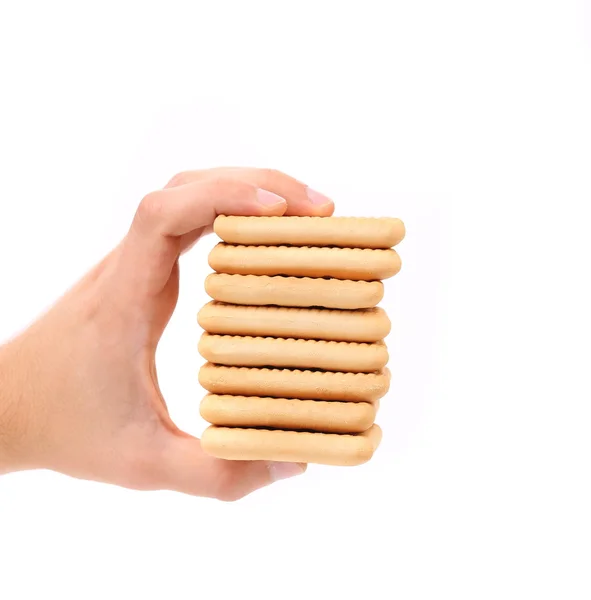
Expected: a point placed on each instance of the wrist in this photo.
(15, 408)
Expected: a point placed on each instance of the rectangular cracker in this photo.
(345, 232)
(285, 413)
(364, 325)
(339, 263)
(248, 351)
(262, 290)
(232, 443)
(295, 383)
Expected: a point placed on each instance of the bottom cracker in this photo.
(233, 443)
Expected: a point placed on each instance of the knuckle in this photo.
(152, 207)
(229, 495)
(226, 489)
(181, 178)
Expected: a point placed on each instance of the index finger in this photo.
(301, 199)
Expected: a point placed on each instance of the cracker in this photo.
(232, 443)
(261, 290)
(340, 263)
(286, 413)
(295, 383)
(346, 232)
(364, 325)
(248, 351)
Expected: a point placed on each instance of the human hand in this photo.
(79, 389)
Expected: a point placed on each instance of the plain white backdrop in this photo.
(471, 121)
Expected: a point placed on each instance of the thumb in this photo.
(168, 220)
(190, 470)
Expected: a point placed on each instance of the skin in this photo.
(79, 390)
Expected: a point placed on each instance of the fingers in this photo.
(180, 210)
(191, 471)
(169, 220)
(301, 199)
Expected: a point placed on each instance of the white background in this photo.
(469, 120)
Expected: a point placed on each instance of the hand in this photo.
(79, 390)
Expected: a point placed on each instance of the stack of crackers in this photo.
(294, 337)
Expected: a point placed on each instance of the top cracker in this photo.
(343, 232)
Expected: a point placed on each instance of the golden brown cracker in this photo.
(287, 413)
(232, 443)
(339, 263)
(295, 383)
(345, 232)
(261, 290)
(364, 325)
(248, 351)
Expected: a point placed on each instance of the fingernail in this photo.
(269, 198)
(283, 470)
(317, 198)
